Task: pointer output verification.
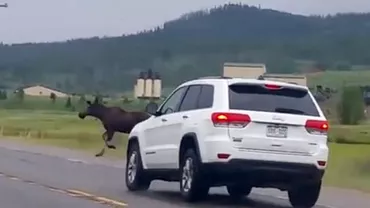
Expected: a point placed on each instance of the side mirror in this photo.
(151, 108)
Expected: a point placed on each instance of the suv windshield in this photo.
(258, 98)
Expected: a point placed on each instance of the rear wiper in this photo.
(288, 110)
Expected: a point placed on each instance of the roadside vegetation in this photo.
(54, 121)
(349, 162)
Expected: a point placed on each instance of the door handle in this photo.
(276, 144)
(163, 120)
(185, 117)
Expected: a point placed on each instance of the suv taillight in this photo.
(317, 127)
(273, 87)
(232, 120)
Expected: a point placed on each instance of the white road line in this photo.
(77, 161)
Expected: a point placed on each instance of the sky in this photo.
(59, 20)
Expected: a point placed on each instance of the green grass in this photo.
(349, 167)
(58, 128)
(45, 103)
(350, 134)
(40, 121)
(336, 79)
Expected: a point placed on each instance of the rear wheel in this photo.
(192, 183)
(305, 196)
(136, 179)
(238, 191)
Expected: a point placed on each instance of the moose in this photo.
(114, 119)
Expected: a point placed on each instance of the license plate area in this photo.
(277, 131)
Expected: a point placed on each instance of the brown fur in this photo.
(114, 119)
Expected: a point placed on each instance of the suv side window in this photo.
(172, 103)
(190, 99)
(206, 97)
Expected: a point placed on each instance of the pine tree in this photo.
(2, 97)
(68, 103)
(98, 99)
(5, 95)
(20, 95)
(82, 100)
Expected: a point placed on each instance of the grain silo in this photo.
(148, 93)
(140, 85)
(157, 85)
(135, 91)
(243, 70)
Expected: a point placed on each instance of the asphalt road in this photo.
(56, 177)
(16, 194)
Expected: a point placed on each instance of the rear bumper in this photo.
(212, 147)
(261, 173)
(260, 169)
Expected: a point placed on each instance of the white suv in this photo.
(238, 133)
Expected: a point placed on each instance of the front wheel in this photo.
(305, 196)
(192, 183)
(136, 180)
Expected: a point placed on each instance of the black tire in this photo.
(139, 182)
(198, 189)
(305, 196)
(238, 191)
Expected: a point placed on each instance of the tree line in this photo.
(75, 102)
(196, 44)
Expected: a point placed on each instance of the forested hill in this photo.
(194, 45)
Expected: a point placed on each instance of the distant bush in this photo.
(53, 97)
(3, 95)
(351, 106)
(69, 102)
(98, 99)
(20, 95)
(82, 100)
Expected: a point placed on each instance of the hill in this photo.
(196, 44)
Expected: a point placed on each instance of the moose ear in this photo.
(88, 102)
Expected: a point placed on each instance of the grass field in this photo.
(45, 103)
(59, 128)
(336, 79)
(350, 134)
(349, 164)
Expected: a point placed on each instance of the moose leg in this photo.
(109, 138)
(101, 153)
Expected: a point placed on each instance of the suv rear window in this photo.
(258, 98)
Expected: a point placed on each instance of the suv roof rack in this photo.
(215, 77)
